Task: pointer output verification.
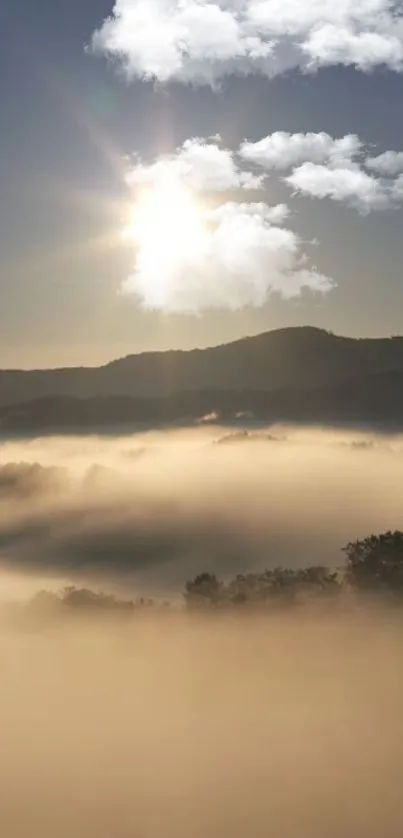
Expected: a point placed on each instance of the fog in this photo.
(148, 511)
(180, 727)
(176, 724)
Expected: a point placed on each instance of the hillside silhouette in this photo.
(298, 374)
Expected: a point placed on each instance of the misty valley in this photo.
(201, 419)
(185, 648)
(148, 512)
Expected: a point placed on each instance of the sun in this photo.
(167, 220)
(169, 228)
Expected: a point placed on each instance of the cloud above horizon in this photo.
(200, 164)
(192, 254)
(347, 185)
(281, 150)
(221, 248)
(389, 163)
(322, 166)
(240, 255)
(202, 41)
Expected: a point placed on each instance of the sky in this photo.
(257, 132)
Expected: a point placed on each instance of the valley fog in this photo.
(178, 723)
(145, 513)
(203, 727)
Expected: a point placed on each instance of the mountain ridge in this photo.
(370, 401)
(284, 359)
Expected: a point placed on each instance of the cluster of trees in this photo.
(83, 600)
(373, 566)
(281, 586)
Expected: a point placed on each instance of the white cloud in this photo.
(330, 45)
(200, 165)
(237, 256)
(348, 185)
(397, 189)
(390, 163)
(191, 257)
(282, 151)
(201, 41)
(324, 167)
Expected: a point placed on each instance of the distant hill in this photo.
(287, 359)
(375, 400)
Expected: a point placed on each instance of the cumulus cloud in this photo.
(201, 41)
(192, 256)
(390, 163)
(331, 44)
(239, 256)
(200, 164)
(322, 166)
(397, 190)
(351, 186)
(281, 151)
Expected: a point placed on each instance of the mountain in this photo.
(283, 360)
(375, 400)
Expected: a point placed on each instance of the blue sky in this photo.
(68, 118)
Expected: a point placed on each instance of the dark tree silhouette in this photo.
(79, 600)
(281, 586)
(204, 590)
(375, 564)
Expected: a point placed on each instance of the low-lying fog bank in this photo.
(203, 727)
(157, 722)
(150, 511)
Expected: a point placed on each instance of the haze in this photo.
(170, 724)
(181, 727)
(149, 511)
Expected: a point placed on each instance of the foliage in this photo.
(373, 564)
(280, 586)
(376, 563)
(204, 589)
(82, 600)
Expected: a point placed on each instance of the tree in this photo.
(204, 590)
(320, 579)
(376, 563)
(278, 587)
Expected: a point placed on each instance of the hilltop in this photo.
(284, 359)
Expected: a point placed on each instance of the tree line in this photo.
(373, 566)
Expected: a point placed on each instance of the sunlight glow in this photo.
(169, 229)
(167, 221)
